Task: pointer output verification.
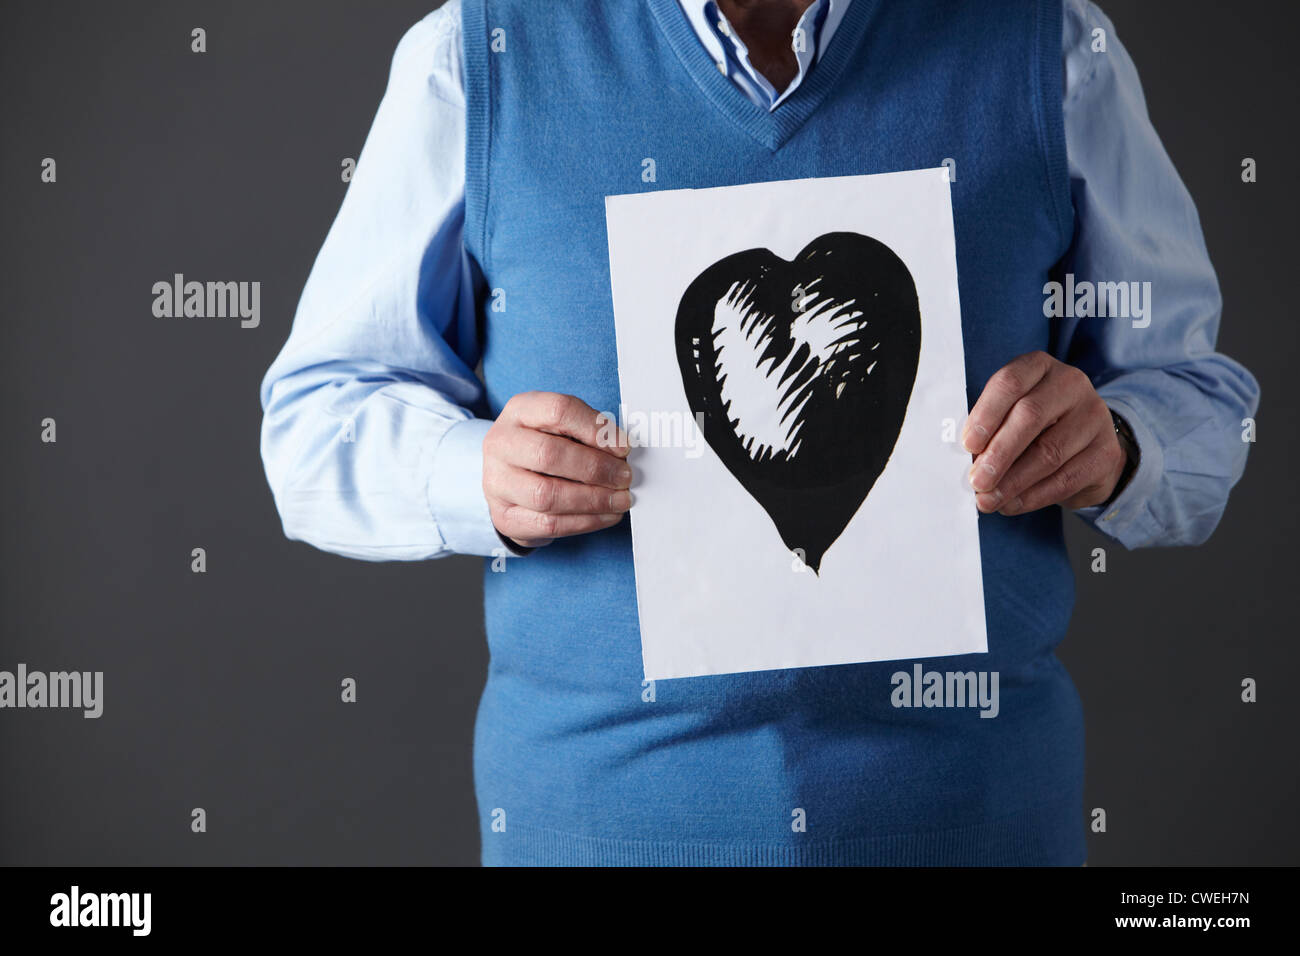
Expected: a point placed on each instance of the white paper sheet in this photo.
(792, 398)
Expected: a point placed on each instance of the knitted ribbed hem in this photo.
(1036, 838)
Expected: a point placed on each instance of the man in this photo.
(474, 229)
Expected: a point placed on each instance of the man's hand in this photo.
(550, 469)
(1041, 435)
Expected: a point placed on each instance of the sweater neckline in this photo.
(771, 128)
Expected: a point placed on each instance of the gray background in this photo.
(222, 689)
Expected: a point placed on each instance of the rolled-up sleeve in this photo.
(1156, 366)
(370, 439)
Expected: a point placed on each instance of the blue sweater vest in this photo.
(577, 762)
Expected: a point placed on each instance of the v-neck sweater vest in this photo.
(576, 761)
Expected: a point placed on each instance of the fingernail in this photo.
(978, 430)
(623, 476)
(1012, 506)
(620, 501)
(989, 500)
(982, 477)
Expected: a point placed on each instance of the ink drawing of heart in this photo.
(802, 371)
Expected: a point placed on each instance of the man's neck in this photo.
(765, 27)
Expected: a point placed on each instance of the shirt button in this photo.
(722, 67)
(1111, 516)
(723, 28)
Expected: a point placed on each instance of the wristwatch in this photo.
(1131, 453)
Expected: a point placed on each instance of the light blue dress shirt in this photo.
(370, 441)
(809, 39)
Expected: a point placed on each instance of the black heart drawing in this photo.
(802, 372)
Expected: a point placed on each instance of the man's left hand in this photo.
(1041, 435)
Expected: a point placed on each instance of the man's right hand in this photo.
(553, 466)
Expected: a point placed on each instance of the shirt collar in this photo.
(818, 21)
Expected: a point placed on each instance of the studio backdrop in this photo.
(262, 702)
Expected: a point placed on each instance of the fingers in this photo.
(1007, 386)
(533, 529)
(569, 416)
(1078, 483)
(1040, 435)
(553, 467)
(563, 436)
(1055, 394)
(548, 495)
(1044, 456)
(562, 458)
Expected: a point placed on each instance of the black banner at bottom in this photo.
(337, 905)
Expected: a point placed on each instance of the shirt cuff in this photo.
(1127, 519)
(455, 490)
